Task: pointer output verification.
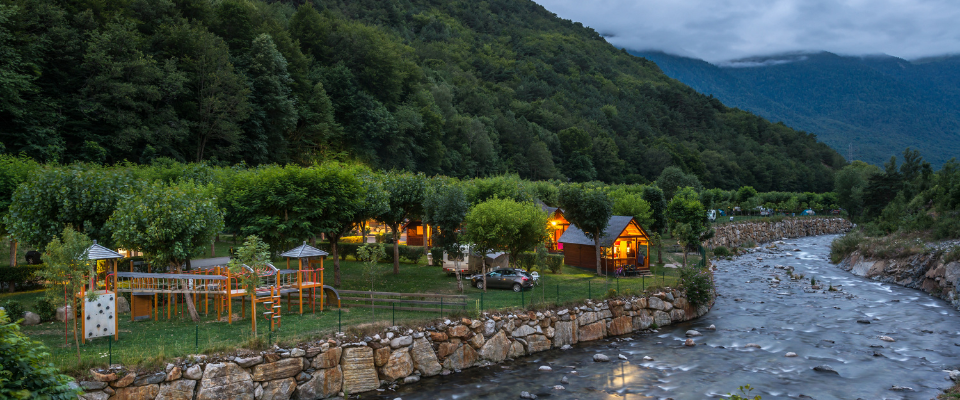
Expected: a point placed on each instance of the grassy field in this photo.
(149, 343)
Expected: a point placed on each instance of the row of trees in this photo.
(905, 196)
(171, 211)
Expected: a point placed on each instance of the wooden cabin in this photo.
(624, 243)
(557, 225)
(417, 233)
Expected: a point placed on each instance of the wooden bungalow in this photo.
(417, 233)
(624, 244)
(557, 226)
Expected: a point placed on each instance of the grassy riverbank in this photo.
(149, 343)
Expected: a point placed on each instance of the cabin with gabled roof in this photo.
(624, 245)
(557, 225)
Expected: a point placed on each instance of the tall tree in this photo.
(273, 110)
(66, 271)
(247, 262)
(13, 172)
(278, 203)
(658, 206)
(343, 197)
(217, 101)
(505, 225)
(445, 208)
(688, 220)
(169, 224)
(83, 196)
(405, 195)
(632, 204)
(850, 184)
(589, 209)
(673, 178)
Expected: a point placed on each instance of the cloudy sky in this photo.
(722, 30)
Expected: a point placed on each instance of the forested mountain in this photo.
(876, 105)
(461, 88)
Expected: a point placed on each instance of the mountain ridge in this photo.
(877, 104)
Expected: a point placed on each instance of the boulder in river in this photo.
(527, 395)
(887, 339)
(790, 354)
(600, 358)
(693, 333)
(826, 369)
(689, 342)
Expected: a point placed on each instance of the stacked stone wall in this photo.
(738, 234)
(331, 367)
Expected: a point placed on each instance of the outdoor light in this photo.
(554, 223)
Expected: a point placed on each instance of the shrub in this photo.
(526, 260)
(845, 245)
(721, 251)
(611, 293)
(437, 256)
(351, 239)
(555, 263)
(14, 309)
(951, 255)
(698, 285)
(411, 253)
(25, 374)
(343, 249)
(744, 391)
(750, 244)
(22, 276)
(46, 310)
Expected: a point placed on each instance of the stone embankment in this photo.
(738, 234)
(338, 366)
(927, 272)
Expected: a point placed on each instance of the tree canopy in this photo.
(589, 209)
(463, 88)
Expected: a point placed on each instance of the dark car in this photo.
(504, 278)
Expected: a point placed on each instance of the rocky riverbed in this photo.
(774, 330)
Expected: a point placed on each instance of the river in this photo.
(823, 328)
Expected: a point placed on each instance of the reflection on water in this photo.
(823, 328)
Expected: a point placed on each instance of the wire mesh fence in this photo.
(152, 342)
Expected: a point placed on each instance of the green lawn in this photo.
(148, 343)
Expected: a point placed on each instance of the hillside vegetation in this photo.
(461, 88)
(878, 105)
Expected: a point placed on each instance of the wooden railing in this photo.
(404, 301)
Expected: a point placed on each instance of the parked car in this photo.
(504, 278)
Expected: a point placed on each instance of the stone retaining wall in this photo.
(737, 234)
(335, 366)
(927, 272)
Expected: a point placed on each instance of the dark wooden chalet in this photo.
(624, 244)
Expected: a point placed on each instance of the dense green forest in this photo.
(461, 88)
(878, 105)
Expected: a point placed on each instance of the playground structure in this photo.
(99, 310)
(219, 285)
